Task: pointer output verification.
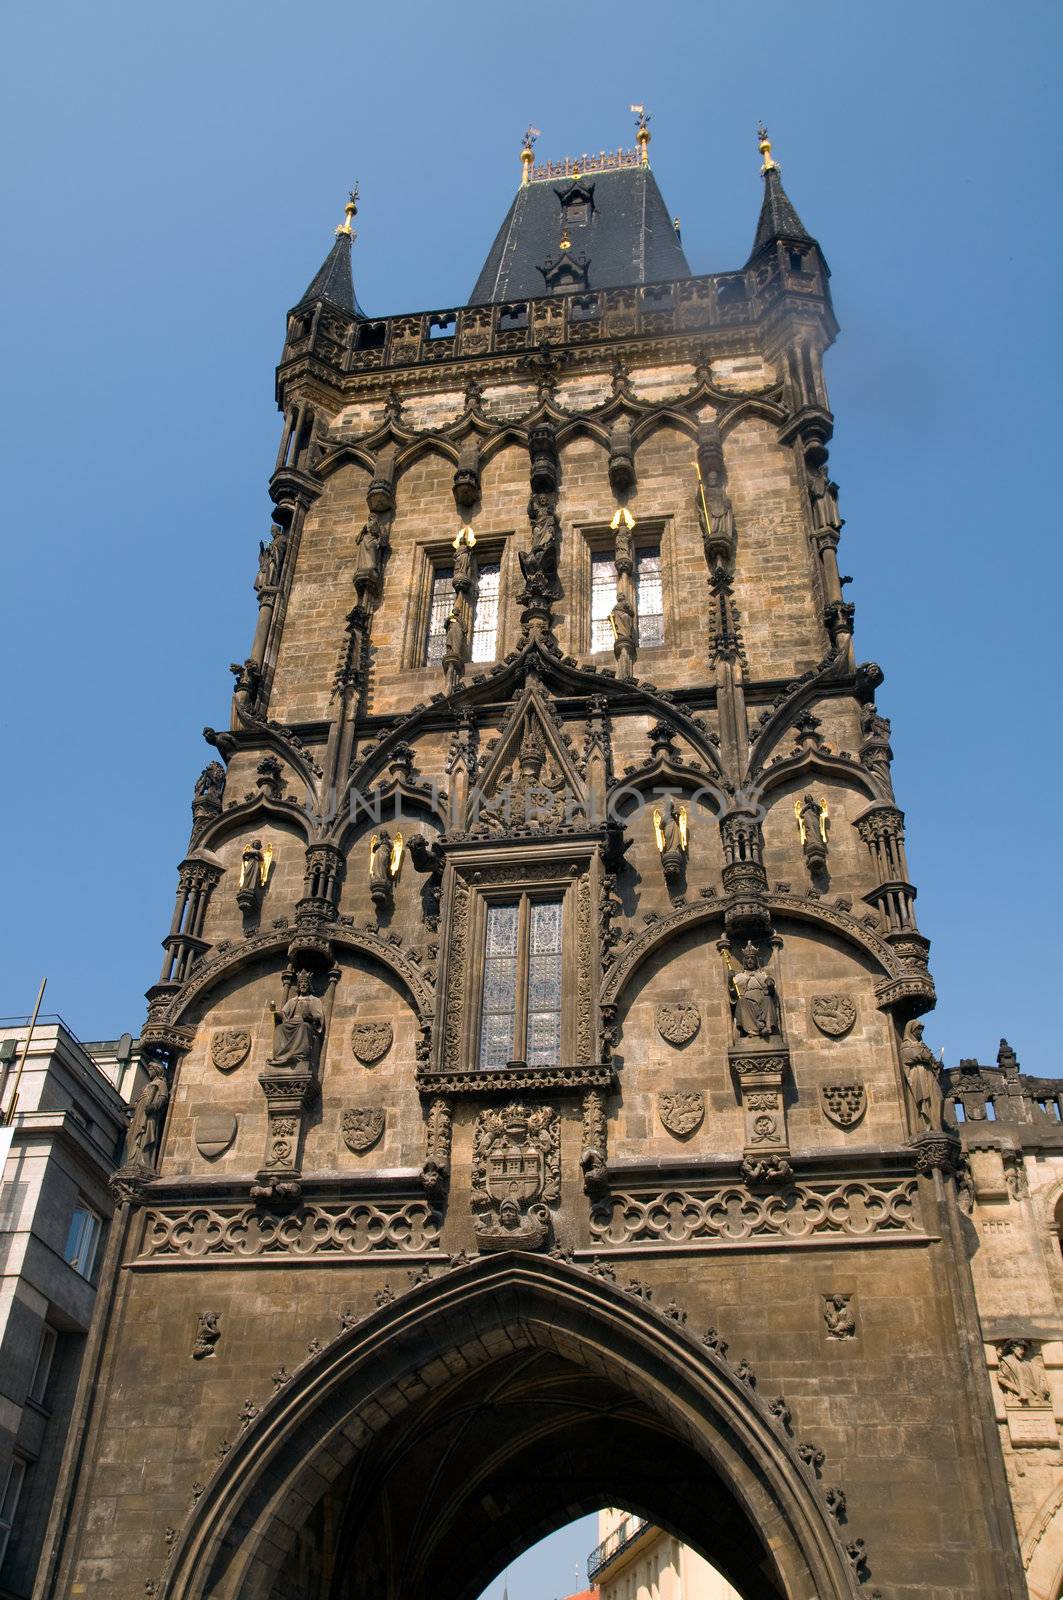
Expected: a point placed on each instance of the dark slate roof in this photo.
(628, 239)
(334, 280)
(778, 219)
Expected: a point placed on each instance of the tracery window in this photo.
(441, 605)
(520, 1018)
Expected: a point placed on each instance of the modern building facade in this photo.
(635, 1560)
(537, 1114)
(66, 1140)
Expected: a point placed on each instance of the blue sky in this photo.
(172, 180)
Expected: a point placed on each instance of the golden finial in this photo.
(350, 211)
(527, 155)
(642, 133)
(566, 241)
(764, 146)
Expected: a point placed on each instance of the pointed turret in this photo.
(778, 221)
(334, 280)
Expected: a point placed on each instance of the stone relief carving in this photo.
(229, 1047)
(208, 1332)
(593, 1156)
(215, 1132)
(1021, 1374)
(838, 1316)
(730, 1211)
(435, 1173)
(833, 1014)
(681, 1113)
(362, 1127)
(371, 1041)
(516, 1175)
(677, 1024)
(310, 1232)
(843, 1103)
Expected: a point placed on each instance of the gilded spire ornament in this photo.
(527, 155)
(764, 146)
(350, 211)
(642, 133)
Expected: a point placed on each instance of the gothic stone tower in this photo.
(539, 1117)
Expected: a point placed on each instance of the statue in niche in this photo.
(298, 1027)
(717, 518)
(145, 1125)
(541, 560)
(921, 1072)
(385, 858)
(754, 998)
(812, 822)
(670, 831)
(1021, 1374)
(838, 1315)
(255, 863)
(371, 547)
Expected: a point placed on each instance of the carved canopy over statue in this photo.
(298, 1027)
(754, 998)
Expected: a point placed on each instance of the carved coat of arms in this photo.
(681, 1113)
(833, 1014)
(362, 1128)
(228, 1047)
(679, 1023)
(843, 1103)
(371, 1041)
(516, 1174)
(215, 1132)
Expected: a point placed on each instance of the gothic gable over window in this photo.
(566, 272)
(577, 204)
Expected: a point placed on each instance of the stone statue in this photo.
(145, 1125)
(541, 559)
(210, 785)
(824, 497)
(465, 573)
(716, 515)
(1021, 1375)
(622, 621)
(454, 638)
(371, 545)
(297, 1027)
(921, 1072)
(812, 822)
(251, 864)
(755, 998)
(269, 560)
(625, 549)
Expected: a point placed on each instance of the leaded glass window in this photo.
(520, 1015)
(485, 621)
(603, 599)
(650, 595)
(442, 604)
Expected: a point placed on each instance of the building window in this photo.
(485, 612)
(520, 1017)
(649, 597)
(42, 1367)
(485, 616)
(83, 1240)
(440, 607)
(9, 1503)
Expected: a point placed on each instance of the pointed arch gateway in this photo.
(473, 1415)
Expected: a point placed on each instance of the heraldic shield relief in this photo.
(516, 1172)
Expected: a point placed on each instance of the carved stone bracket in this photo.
(937, 1152)
(435, 1173)
(760, 1075)
(594, 1155)
(287, 1094)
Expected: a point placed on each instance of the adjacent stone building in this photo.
(634, 1560)
(66, 1140)
(537, 1112)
